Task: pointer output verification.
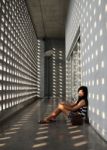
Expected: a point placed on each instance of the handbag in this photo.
(76, 118)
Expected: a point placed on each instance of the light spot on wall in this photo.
(106, 8)
(92, 56)
(98, 112)
(96, 52)
(102, 48)
(90, 18)
(93, 96)
(102, 64)
(92, 69)
(100, 17)
(94, 11)
(90, 6)
(99, 2)
(91, 43)
(88, 47)
(95, 24)
(97, 82)
(101, 32)
(103, 97)
(97, 97)
(86, 3)
(91, 30)
(102, 81)
(103, 115)
(96, 38)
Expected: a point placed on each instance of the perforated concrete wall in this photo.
(93, 31)
(19, 57)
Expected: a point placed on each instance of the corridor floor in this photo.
(22, 132)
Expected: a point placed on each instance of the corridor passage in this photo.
(22, 132)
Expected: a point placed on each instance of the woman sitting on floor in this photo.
(80, 106)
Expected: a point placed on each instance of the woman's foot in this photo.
(46, 121)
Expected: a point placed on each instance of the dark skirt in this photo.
(76, 118)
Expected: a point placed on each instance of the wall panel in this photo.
(18, 55)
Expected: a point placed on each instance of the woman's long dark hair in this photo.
(85, 91)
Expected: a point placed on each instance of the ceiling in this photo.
(48, 17)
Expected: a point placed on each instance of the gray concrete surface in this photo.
(24, 133)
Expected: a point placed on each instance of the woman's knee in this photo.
(61, 106)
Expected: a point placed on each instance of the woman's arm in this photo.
(79, 105)
(72, 104)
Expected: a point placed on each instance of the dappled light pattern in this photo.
(90, 18)
(19, 55)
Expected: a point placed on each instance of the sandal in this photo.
(46, 121)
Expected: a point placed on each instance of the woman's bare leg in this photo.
(61, 108)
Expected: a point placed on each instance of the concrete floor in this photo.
(22, 132)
